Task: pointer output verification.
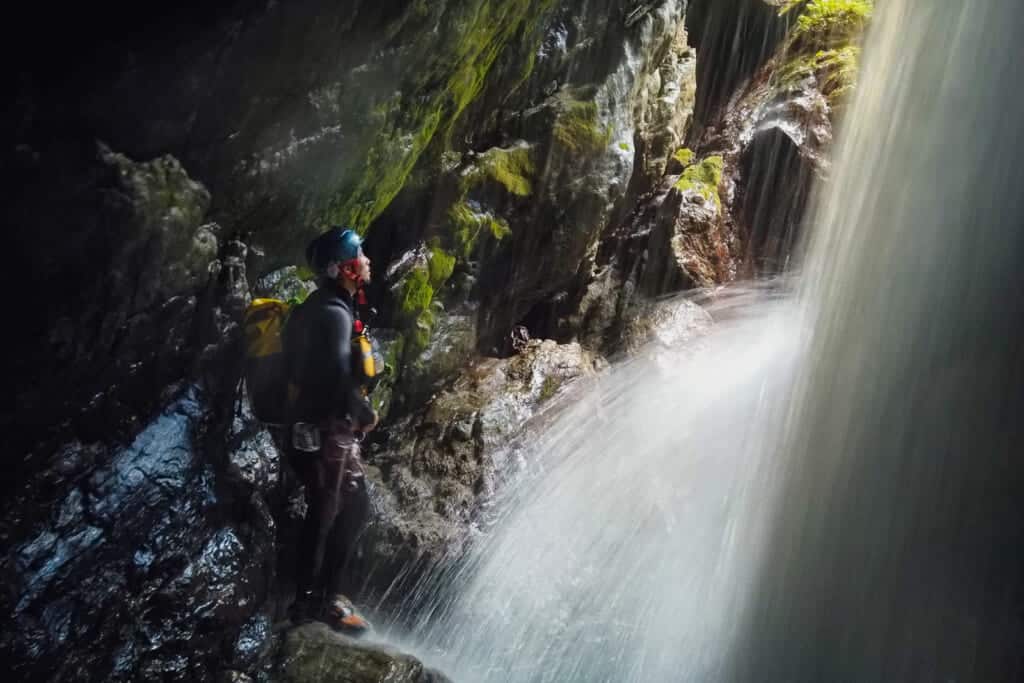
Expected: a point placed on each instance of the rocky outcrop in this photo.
(731, 203)
(315, 653)
(440, 464)
(151, 562)
(120, 256)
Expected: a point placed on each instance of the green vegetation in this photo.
(476, 33)
(684, 156)
(787, 6)
(414, 312)
(578, 128)
(832, 23)
(702, 177)
(549, 388)
(624, 146)
(441, 265)
(823, 44)
(837, 72)
(512, 168)
(467, 225)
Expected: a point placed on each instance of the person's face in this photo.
(363, 267)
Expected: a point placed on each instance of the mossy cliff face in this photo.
(295, 115)
(731, 201)
(554, 157)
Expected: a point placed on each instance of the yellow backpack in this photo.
(266, 371)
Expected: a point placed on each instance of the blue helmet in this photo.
(337, 245)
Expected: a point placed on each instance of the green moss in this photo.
(703, 177)
(684, 156)
(415, 295)
(414, 316)
(549, 388)
(475, 34)
(825, 24)
(624, 146)
(440, 265)
(835, 68)
(837, 72)
(787, 6)
(578, 128)
(512, 168)
(305, 273)
(467, 225)
(824, 45)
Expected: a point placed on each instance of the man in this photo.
(329, 415)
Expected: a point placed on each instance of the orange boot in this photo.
(342, 615)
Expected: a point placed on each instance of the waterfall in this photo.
(823, 488)
(896, 550)
(624, 551)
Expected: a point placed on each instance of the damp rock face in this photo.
(116, 257)
(441, 463)
(733, 196)
(138, 572)
(313, 652)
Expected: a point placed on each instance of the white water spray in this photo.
(623, 555)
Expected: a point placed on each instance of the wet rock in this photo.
(731, 202)
(452, 342)
(284, 283)
(253, 643)
(315, 653)
(717, 29)
(232, 676)
(122, 286)
(442, 462)
(137, 572)
(666, 325)
(591, 132)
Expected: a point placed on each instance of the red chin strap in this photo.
(349, 270)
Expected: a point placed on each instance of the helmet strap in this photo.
(348, 272)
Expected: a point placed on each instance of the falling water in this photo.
(896, 554)
(620, 556)
(822, 488)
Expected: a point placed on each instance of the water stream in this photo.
(652, 478)
(823, 487)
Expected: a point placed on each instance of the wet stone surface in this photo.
(138, 574)
(315, 653)
(440, 464)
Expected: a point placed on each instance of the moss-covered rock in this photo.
(824, 46)
(313, 652)
(468, 224)
(825, 24)
(683, 157)
(451, 76)
(513, 168)
(288, 284)
(701, 178)
(579, 129)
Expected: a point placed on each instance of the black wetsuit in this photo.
(318, 348)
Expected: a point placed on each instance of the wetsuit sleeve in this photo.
(339, 337)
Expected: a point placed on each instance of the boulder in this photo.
(313, 653)
(144, 568)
